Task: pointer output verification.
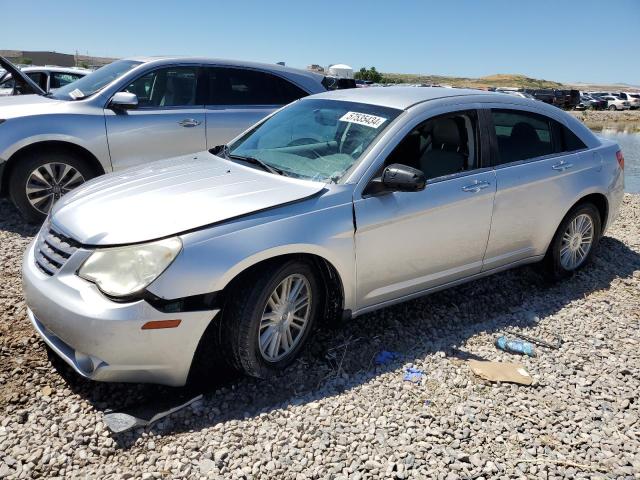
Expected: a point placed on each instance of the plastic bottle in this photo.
(516, 346)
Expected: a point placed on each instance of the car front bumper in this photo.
(103, 340)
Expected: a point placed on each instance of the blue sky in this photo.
(564, 40)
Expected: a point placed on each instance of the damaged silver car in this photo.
(336, 205)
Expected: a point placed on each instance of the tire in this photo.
(34, 167)
(556, 267)
(612, 107)
(241, 329)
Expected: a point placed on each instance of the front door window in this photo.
(167, 87)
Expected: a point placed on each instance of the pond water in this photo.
(630, 144)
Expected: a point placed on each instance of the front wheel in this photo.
(574, 242)
(270, 316)
(40, 179)
(612, 107)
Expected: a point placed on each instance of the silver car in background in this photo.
(130, 112)
(49, 78)
(339, 204)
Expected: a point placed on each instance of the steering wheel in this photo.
(299, 142)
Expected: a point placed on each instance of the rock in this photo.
(206, 465)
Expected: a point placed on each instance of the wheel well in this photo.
(329, 279)
(48, 146)
(601, 203)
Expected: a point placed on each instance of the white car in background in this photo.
(48, 79)
(632, 97)
(616, 103)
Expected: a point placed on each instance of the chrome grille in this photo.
(53, 250)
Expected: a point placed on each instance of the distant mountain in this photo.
(498, 80)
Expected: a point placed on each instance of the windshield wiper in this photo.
(257, 161)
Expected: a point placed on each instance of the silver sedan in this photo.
(336, 205)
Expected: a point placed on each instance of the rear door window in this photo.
(521, 135)
(39, 78)
(239, 86)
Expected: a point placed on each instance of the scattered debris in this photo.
(515, 346)
(46, 391)
(413, 375)
(146, 415)
(333, 353)
(385, 357)
(501, 372)
(537, 341)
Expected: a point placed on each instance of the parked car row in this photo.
(618, 100)
(574, 99)
(129, 112)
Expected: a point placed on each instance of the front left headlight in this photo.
(124, 271)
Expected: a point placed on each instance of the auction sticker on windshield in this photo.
(363, 119)
(75, 94)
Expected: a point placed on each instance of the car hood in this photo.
(170, 196)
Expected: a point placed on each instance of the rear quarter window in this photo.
(569, 141)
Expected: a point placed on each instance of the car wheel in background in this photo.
(574, 242)
(612, 107)
(269, 317)
(39, 179)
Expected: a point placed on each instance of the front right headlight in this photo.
(125, 271)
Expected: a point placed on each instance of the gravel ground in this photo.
(624, 120)
(335, 414)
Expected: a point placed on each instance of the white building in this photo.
(340, 70)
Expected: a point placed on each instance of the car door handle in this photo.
(476, 187)
(189, 122)
(562, 166)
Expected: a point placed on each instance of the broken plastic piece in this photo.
(501, 372)
(515, 346)
(413, 375)
(145, 415)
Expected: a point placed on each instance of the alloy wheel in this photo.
(49, 182)
(576, 242)
(285, 317)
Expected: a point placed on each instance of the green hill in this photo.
(498, 80)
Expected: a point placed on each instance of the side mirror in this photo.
(402, 178)
(124, 101)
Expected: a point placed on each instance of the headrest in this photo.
(524, 132)
(446, 132)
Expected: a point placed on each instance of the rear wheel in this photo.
(574, 242)
(40, 179)
(270, 316)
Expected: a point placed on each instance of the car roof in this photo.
(168, 60)
(404, 97)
